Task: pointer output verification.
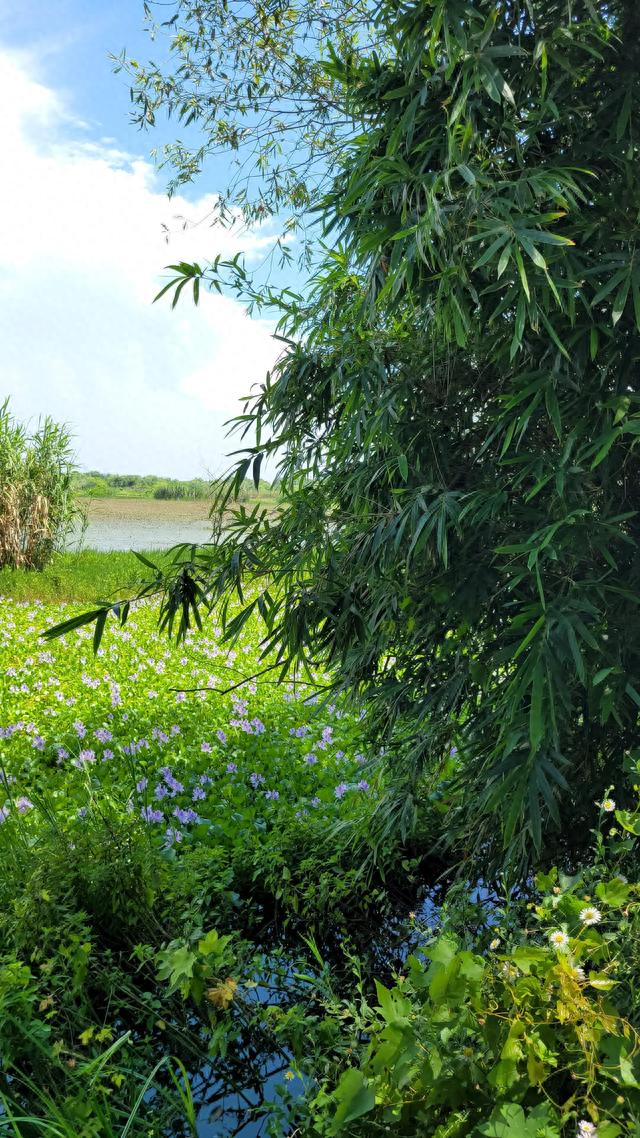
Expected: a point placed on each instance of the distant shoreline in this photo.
(145, 509)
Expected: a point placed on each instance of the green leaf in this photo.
(522, 272)
(177, 965)
(619, 303)
(629, 822)
(504, 260)
(467, 174)
(615, 892)
(354, 1097)
(509, 1121)
(212, 944)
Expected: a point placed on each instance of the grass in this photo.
(84, 576)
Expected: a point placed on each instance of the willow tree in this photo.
(246, 80)
(455, 421)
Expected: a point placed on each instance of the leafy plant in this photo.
(521, 1035)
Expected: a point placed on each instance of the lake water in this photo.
(140, 523)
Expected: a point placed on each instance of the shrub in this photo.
(527, 1030)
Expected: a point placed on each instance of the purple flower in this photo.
(23, 804)
(198, 794)
(258, 726)
(103, 735)
(315, 801)
(82, 812)
(161, 791)
(87, 756)
(185, 816)
(273, 794)
(142, 785)
(232, 768)
(221, 735)
(172, 836)
(107, 754)
(4, 814)
(116, 699)
(151, 815)
(327, 734)
(360, 759)
(341, 789)
(80, 729)
(175, 730)
(256, 779)
(363, 784)
(310, 758)
(174, 786)
(206, 747)
(38, 743)
(180, 698)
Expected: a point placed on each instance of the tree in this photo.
(249, 78)
(456, 419)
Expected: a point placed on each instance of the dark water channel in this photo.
(245, 1093)
(241, 1095)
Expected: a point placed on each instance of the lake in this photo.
(141, 523)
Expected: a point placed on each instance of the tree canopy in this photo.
(455, 419)
(248, 79)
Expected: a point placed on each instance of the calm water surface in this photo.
(138, 523)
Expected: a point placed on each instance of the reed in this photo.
(37, 504)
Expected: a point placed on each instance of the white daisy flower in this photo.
(495, 943)
(586, 1129)
(608, 805)
(509, 971)
(590, 916)
(558, 938)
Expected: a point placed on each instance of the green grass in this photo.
(84, 576)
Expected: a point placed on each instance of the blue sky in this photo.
(82, 249)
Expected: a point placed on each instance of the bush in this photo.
(528, 1030)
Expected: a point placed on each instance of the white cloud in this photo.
(82, 248)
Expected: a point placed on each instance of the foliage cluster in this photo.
(456, 417)
(249, 80)
(524, 1033)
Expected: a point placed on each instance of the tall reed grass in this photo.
(37, 505)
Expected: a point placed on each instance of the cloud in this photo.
(83, 242)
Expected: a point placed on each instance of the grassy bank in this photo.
(83, 576)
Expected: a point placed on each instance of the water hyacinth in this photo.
(65, 731)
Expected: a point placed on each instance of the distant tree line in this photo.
(94, 484)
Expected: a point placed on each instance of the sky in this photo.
(83, 248)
